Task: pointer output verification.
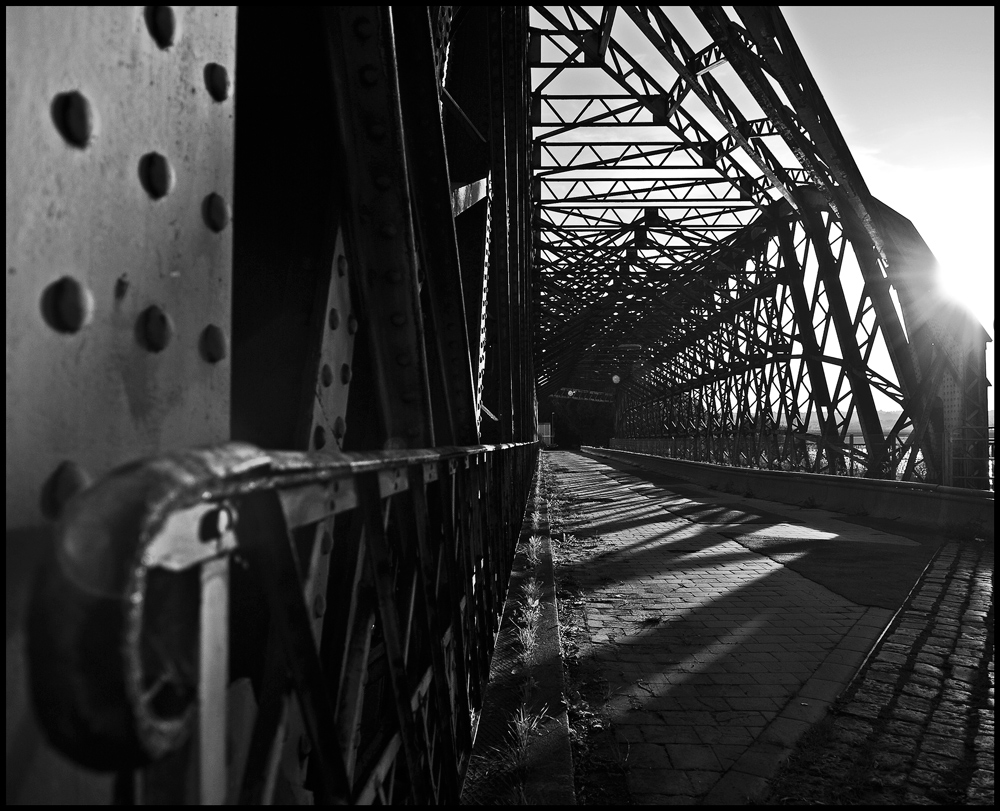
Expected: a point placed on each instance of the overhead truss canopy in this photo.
(707, 251)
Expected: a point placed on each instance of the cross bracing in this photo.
(707, 252)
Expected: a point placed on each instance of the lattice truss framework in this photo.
(707, 249)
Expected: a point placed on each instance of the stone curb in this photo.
(549, 772)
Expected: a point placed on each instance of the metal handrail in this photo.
(138, 615)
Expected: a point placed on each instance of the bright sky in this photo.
(912, 91)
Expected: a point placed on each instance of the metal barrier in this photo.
(191, 595)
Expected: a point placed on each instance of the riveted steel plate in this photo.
(119, 179)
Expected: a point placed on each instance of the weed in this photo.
(523, 725)
(532, 592)
(810, 503)
(748, 493)
(534, 550)
(527, 638)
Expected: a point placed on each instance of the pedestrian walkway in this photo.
(717, 654)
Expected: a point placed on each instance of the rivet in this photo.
(319, 436)
(162, 25)
(156, 329)
(397, 319)
(334, 319)
(213, 344)
(363, 28)
(326, 374)
(65, 482)
(156, 175)
(217, 81)
(352, 324)
(345, 374)
(376, 131)
(67, 306)
(339, 428)
(214, 523)
(342, 266)
(319, 606)
(73, 118)
(215, 212)
(388, 231)
(326, 543)
(383, 182)
(369, 75)
(403, 359)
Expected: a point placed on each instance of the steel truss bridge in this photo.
(321, 271)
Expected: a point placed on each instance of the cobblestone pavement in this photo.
(917, 725)
(716, 659)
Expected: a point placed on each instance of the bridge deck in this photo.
(718, 628)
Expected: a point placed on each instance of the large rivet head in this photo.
(161, 22)
(73, 118)
(326, 375)
(215, 212)
(319, 436)
(213, 344)
(217, 81)
(156, 329)
(67, 306)
(339, 428)
(65, 482)
(156, 175)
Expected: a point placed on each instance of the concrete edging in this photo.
(952, 509)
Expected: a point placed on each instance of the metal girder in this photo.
(700, 202)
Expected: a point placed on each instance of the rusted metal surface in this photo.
(135, 551)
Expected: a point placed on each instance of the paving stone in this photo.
(735, 788)
(698, 757)
(649, 756)
(862, 710)
(943, 746)
(899, 743)
(657, 781)
(663, 733)
(903, 728)
(935, 763)
(926, 778)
